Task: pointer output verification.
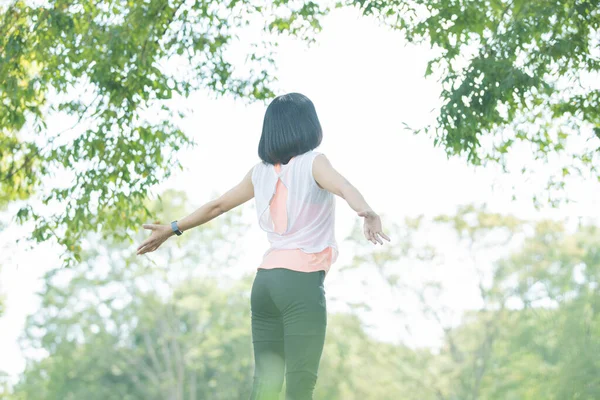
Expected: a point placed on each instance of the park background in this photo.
(488, 289)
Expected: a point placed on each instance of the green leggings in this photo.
(289, 320)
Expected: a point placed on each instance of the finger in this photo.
(147, 249)
(147, 245)
(144, 243)
(142, 250)
(372, 238)
(148, 242)
(377, 237)
(383, 235)
(368, 235)
(149, 226)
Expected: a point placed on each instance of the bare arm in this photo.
(236, 196)
(330, 179)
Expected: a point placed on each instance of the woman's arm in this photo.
(236, 196)
(331, 180)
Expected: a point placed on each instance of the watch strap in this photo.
(175, 228)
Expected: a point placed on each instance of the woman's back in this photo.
(294, 211)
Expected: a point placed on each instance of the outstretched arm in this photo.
(236, 196)
(331, 180)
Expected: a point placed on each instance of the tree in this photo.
(515, 74)
(538, 326)
(554, 282)
(107, 69)
(117, 327)
(534, 329)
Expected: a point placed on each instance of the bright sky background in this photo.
(364, 83)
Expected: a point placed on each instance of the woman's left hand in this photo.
(160, 233)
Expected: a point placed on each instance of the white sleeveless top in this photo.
(310, 209)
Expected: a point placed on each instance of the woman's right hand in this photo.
(372, 227)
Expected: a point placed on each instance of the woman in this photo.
(294, 188)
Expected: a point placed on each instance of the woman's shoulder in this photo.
(258, 169)
(311, 154)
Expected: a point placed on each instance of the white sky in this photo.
(364, 83)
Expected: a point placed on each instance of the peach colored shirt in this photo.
(295, 259)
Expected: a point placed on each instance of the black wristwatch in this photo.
(175, 228)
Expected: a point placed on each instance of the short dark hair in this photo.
(291, 127)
